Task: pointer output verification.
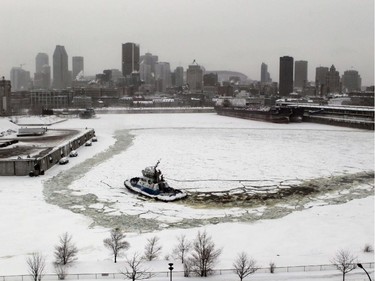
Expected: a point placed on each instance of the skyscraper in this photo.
(333, 81)
(194, 77)
(300, 74)
(264, 74)
(41, 59)
(60, 68)
(320, 79)
(130, 58)
(42, 75)
(163, 76)
(149, 59)
(77, 66)
(320, 75)
(19, 78)
(351, 80)
(147, 67)
(286, 76)
(179, 75)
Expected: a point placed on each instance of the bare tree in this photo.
(344, 261)
(244, 266)
(272, 267)
(36, 264)
(152, 248)
(61, 271)
(65, 251)
(204, 254)
(182, 248)
(134, 270)
(116, 243)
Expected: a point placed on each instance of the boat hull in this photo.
(277, 116)
(171, 195)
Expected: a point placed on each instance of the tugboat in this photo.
(153, 185)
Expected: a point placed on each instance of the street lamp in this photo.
(170, 268)
(361, 266)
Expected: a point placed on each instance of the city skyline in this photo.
(219, 35)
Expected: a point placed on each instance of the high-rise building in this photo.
(210, 79)
(41, 59)
(300, 73)
(150, 60)
(77, 66)
(264, 74)
(333, 81)
(286, 76)
(5, 90)
(145, 73)
(20, 79)
(320, 75)
(42, 80)
(351, 81)
(61, 75)
(194, 78)
(130, 58)
(42, 75)
(320, 79)
(179, 76)
(162, 76)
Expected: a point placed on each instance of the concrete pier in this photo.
(35, 155)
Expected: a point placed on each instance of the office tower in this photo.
(5, 90)
(42, 75)
(210, 79)
(300, 74)
(130, 58)
(60, 68)
(333, 81)
(351, 80)
(320, 79)
(41, 59)
(20, 79)
(145, 72)
(149, 59)
(77, 67)
(286, 76)
(320, 75)
(42, 80)
(162, 76)
(179, 76)
(264, 74)
(194, 78)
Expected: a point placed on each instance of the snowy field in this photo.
(198, 152)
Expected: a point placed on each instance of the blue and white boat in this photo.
(153, 185)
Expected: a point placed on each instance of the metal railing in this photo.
(118, 275)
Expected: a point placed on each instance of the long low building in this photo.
(33, 155)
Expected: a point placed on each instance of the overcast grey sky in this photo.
(233, 35)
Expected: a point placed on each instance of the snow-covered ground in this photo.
(198, 152)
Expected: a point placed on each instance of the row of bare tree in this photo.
(198, 257)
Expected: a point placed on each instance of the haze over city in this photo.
(218, 34)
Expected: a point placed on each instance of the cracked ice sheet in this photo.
(202, 166)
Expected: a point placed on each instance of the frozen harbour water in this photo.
(199, 153)
(217, 160)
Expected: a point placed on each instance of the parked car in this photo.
(73, 153)
(94, 139)
(88, 143)
(64, 161)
